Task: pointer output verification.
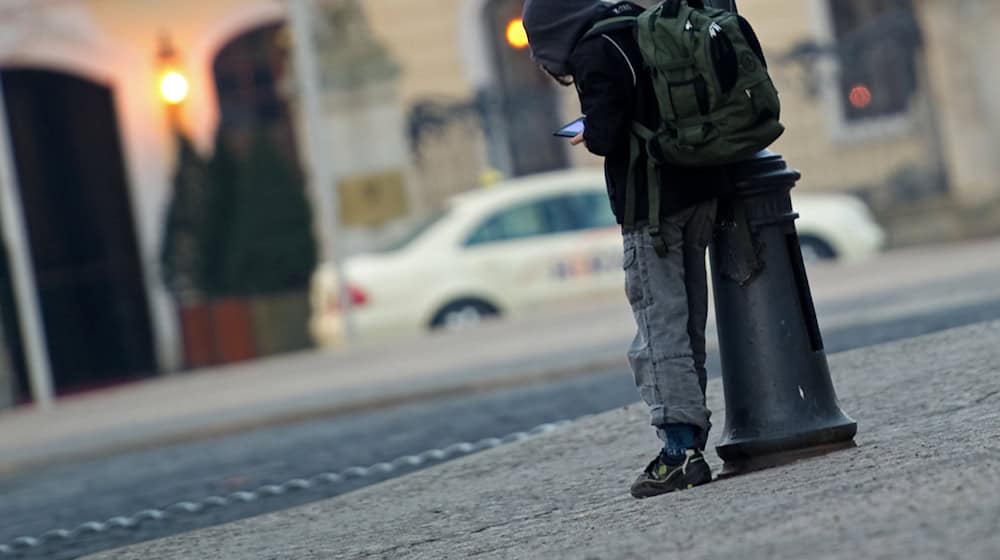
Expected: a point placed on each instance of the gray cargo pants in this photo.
(669, 298)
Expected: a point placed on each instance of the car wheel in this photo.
(815, 249)
(463, 314)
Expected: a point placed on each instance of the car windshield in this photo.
(408, 235)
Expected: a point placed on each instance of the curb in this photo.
(295, 413)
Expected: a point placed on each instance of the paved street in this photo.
(924, 482)
(548, 344)
(125, 484)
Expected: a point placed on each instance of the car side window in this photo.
(540, 217)
(591, 210)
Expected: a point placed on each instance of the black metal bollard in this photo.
(780, 401)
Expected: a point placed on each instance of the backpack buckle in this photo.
(654, 151)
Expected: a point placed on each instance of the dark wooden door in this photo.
(79, 219)
(11, 355)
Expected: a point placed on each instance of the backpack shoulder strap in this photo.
(605, 26)
(641, 136)
(631, 67)
(611, 24)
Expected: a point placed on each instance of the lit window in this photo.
(877, 42)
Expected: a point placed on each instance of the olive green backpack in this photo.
(717, 102)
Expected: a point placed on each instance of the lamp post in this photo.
(780, 401)
(172, 84)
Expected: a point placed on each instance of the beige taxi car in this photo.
(519, 245)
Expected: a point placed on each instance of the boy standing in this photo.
(666, 282)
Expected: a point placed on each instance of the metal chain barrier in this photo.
(22, 544)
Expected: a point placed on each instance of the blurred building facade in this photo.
(892, 99)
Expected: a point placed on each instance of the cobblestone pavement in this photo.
(923, 483)
(67, 496)
(897, 297)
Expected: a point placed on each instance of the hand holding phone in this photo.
(572, 130)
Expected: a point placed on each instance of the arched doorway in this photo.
(248, 71)
(525, 102)
(78, 215)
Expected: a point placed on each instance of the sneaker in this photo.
(661, 478)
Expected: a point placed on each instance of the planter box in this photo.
(280, 322)
(232, 321)
(216, 332)
(196, 334)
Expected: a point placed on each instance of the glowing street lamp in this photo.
(517, 37)
(174, 87)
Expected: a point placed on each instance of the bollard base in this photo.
(745, 466)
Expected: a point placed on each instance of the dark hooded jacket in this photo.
(615, 89)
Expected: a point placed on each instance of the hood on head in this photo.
(555, 26)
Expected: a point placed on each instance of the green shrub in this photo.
(238, 226)
(181, 253)
(271, 246)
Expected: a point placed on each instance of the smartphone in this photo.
(571, 130)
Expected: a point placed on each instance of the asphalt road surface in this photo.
(66, 496)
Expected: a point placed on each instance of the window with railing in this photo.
(876, 46)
